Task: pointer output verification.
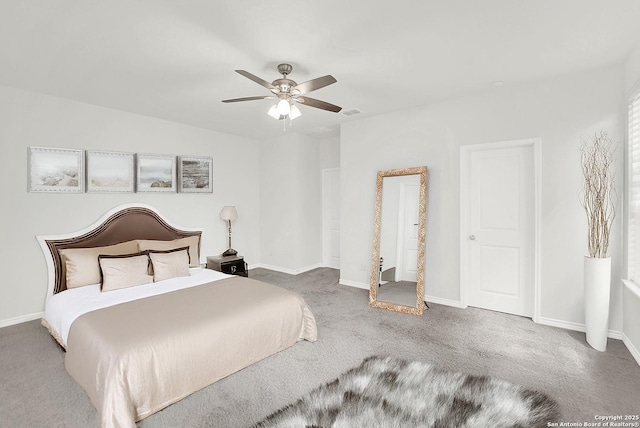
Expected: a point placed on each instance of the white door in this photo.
(331, 218)
(498, 230)
(408, 233)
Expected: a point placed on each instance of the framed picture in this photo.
(195, 174)
(109, 171)
(55, 170)
(155, 173)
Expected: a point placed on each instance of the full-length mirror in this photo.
(397, 272)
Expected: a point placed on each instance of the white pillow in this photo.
(81, 264)
(190, 241)
(124, 271)
(169, 264)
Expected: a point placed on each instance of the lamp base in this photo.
(229, 252)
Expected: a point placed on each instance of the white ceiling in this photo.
(175, 60)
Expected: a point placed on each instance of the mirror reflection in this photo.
(397, 280)
(399, 240)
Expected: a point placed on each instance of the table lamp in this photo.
(229, 214)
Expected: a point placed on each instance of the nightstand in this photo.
(233, 265)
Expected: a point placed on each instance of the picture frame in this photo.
(109, 172)
(55, 170)
(155, 173)
(195, 174)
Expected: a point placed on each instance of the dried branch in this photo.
(598, 195)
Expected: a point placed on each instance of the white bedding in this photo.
(63, 308)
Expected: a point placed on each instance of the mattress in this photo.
(63, 308)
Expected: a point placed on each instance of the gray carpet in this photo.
(35, 390)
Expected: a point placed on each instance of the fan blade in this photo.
(312, 85)
(312, 102)
(256, 79)
(235, 100)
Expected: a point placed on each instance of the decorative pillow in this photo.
(190, 241)
(170, 264)
(81, 264)
(122, 271)
(164, 252)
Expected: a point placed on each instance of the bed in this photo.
(144, 325)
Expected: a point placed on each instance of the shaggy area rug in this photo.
(390, 392)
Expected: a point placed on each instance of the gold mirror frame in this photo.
(422, 215)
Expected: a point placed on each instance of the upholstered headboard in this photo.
(121, 224)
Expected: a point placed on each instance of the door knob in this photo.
(472, 237)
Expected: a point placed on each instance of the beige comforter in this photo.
(136, 358)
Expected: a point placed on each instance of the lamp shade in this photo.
(229, 213)
(284, 107)
(295, 112)
(273, 112)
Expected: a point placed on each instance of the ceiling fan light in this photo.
(273, 112)
(284, 107)
(295, 112)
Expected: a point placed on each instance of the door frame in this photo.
(326, 247)
(465, 152)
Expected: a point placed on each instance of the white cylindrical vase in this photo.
(597, 289)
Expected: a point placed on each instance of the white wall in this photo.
(632, 70)
(291, 203)
(329, 153)
(30, 119)
(560, 111)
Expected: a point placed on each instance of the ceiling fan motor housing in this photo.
(284, 85)
(285, 69)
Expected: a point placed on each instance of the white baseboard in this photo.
(445, 302)
(568, 325)
(631, 347)
(21, 319)
(286, 270)
(356, 284)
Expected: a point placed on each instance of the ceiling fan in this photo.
(287, 91)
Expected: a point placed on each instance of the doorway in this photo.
(500, 226)
(331, 218)
(407, 258)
